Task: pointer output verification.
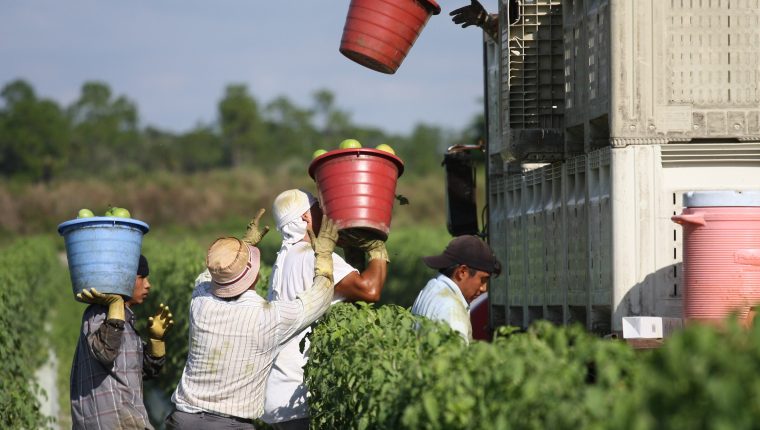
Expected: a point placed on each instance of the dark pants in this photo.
(204, 420)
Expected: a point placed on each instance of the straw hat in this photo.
(233, 265)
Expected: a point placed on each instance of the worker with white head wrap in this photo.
(294, 212)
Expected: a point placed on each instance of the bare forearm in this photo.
(366, 286)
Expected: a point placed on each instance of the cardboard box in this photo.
(649, 327)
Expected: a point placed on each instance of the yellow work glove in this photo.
(114, 302)
(158, 325)
(376, 250)
(252, 233)
(323, 246)
(357, 238)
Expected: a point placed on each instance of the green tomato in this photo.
(386, 148)
(121, 213)
(350, 144)
(318, 152)
(85, 213)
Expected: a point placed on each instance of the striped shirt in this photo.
(442, 300)
(233, 343)
(109, 365)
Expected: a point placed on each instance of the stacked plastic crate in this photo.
(657, 98)
(532, 82)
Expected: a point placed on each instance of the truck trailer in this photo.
(600, 115)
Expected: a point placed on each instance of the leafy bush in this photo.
(703, 378)
(370, 368)
(365, 362)
(550, 377)
(25, 299)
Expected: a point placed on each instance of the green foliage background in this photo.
(28, 277)
(100, 133)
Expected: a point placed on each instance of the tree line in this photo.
(101, 133)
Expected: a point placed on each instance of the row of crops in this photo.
(26, 281)
(379, 367)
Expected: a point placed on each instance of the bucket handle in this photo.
(697, 218)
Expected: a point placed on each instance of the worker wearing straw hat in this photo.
(235, 334)
(294, 212)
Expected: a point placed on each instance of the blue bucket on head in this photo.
(103, 253)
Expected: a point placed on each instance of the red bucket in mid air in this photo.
(357, 187)
(379, 33)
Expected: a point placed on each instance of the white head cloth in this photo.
(287, 210)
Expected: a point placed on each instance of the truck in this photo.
(600, 115)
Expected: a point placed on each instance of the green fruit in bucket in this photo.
(386, 148)
(350, 144)
(318, 152)
(120, 213)
(85, 213)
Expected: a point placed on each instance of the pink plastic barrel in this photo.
(357, 187)
(721, 254)
(379, 33)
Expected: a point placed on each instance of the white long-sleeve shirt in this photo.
(442, 300)
(233, 344)
(286, 391)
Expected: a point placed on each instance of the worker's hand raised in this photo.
(160, 323)
(323, 245)
(253, 234)
(472, 14)
(328, 237)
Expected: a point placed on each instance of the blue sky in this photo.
(174, 58)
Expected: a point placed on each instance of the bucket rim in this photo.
(721, 198)
(103, 220)
(432, 6)
(335, 153)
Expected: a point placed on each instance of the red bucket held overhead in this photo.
(357, 187)
(721, 254)
(379, 33)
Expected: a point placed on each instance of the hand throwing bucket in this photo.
(357, 187)
(721, 254)
(103, 253)
(379, 33)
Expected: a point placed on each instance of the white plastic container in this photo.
(663, 71)
(578, 75)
